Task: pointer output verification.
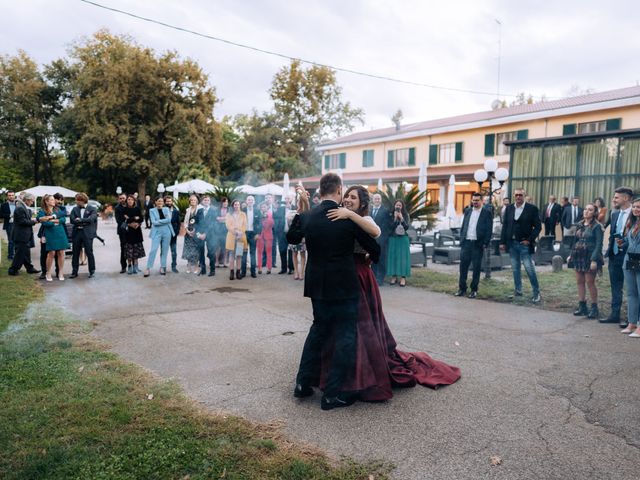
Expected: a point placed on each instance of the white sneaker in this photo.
(635, 334)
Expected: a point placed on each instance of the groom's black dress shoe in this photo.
(460, 293)
(339, 401)
(302, 391)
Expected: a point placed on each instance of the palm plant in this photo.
(224, 191)
(414, 200)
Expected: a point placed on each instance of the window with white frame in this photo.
(501, 148)
(591, 127)
(334, 161)
(401, 157)
(446, 153)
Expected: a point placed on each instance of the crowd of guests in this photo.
(53, 235)
(584, 226)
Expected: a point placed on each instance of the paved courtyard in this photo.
(551, 395)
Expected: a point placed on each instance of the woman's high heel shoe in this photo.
(147, 272)
(163, 271)
(48, 278)
(232, 275)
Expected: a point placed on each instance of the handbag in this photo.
(123, 227)
(633, 262)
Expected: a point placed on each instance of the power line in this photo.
(288, 57)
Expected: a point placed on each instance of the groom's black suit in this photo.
(332, 284)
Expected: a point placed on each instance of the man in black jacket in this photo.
(120, 221)
(571, 215)
(175, 224)
(519, 233)
(205, 233)
(280, 233)
(551, 216)
(475, 235)
(332, 284)
(6, 212)
(22, 235)
(84, 219)
(383, 219)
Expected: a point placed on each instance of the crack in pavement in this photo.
(588, 416)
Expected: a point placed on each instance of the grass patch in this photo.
(558, 290)
(72, 410)
(17, 293)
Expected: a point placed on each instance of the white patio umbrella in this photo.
(248, 189)
(451, 200)
(422, 182)
(42, 190)
(380, 184)
(269, 188)
(175, 192)
(192, 186)
(285, 183)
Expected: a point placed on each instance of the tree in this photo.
(396, 119)
(308, 107)
(136, 116)
(28, 105)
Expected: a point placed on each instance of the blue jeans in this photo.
(520, 254)
(162, 241)
(632, 280)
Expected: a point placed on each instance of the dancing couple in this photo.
(350, 352)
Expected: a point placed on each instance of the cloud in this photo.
(546, 47)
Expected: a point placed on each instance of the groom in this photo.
(332, 284)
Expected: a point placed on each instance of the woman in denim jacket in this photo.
(632, 278)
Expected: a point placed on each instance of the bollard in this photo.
(556, 263)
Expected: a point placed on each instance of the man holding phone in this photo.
(615, 252)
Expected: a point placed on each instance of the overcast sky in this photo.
(546, 46)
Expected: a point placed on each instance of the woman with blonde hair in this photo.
(236, 243)
(55, 235)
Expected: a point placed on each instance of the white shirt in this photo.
(82, 210)
(249, 219)
(472, 233)
(518, 211)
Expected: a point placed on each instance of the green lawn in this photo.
(558, 290)
(72, 410)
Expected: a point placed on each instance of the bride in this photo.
(380, 366)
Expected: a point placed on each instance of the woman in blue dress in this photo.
(55, 235)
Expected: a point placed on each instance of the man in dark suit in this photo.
(22, 235)
(520, 230)
(615, 252)
(280, 232)
(84, 219)
(383, 219)
(6, 212)
(505, 203)
(475, 235)
(332, 284)
(571, 215)
(175, 224)
(254, 228)
(205, 233)
(120, 221)
(148, 205)
(551, 216)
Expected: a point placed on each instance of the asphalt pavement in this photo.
(553, 396)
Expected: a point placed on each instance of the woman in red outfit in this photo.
(380, 366)
(265, 239)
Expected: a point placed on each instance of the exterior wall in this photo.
(473, 141)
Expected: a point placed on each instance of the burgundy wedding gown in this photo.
(380, 366)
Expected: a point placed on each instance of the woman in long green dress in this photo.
(398, 254)
(55, 234)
